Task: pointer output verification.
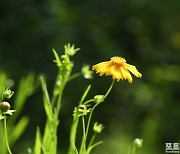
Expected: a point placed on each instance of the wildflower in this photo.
(118, 68)
(98, 127)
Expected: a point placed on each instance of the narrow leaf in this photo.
(58, 61)
(37, 146)
(85, 94)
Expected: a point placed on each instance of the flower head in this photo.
(4, 106)
(86, 72)
(7, 93)
(117, 68)
(98, 127)
(81, 110)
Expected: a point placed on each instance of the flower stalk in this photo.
(6, 137)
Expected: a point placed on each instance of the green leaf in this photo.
(18, 130)
(85, 94)
(37, 147)
(26, 87)
(72, 146)
(47, 103)
(58, 61)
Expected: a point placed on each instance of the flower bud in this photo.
(7, 93)
(70, 50)
(63, 57)
(86, 72)
(98, 127)
(98, 98)
(138, 142)
(4, 106)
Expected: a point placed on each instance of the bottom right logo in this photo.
(172, 147)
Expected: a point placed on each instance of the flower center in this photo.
(118, 60)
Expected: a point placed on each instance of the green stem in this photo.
(92, 140)
(88, 101)
(110, 88)
(83, 144)
(53, 100)
(72, 146)
(5, 130)
(59, 101)
(132, 150)
(89, 120)
(74, 76)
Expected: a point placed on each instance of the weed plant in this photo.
(46, 142)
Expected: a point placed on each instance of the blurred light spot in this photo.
(175, 40)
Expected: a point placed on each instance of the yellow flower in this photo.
(118, 68)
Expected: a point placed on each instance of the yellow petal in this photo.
(133, 70)
(115, 72)
(126, 75)
(101, 68)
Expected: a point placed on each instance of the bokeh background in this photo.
(146, 33)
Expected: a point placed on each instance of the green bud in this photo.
(4, 106)
(63, 57)
(98, 127)
(87, 73)
(98, 98)
(69, 50)
(138, 142)
(7, 93)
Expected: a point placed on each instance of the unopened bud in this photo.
(63, 57)
(70, 50)
(7, 93)
(98, 98)
(138, 142)
(87, 73)
(98, 127)
(4, 106)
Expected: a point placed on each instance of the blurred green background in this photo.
(146, 33)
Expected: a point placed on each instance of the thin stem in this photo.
(84, 131)
(92, 139)
(74, 76)
(132, 150)
(89, 120)
(83, 144)
(5, 130)
(110, 88)
(53, 100)
(58, 105)
(88, 101)
(74, 126)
